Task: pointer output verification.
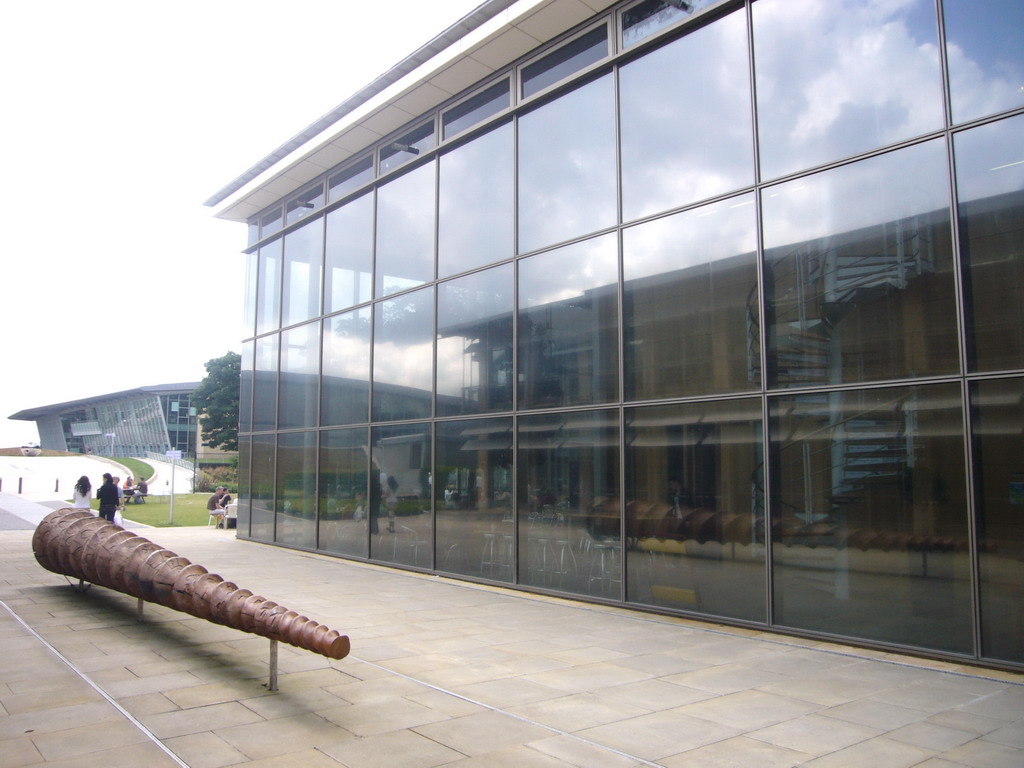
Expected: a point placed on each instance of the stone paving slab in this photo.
(50, 716)
(444, 673)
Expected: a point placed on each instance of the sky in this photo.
(122, 118)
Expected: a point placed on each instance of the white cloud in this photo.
(835, 79)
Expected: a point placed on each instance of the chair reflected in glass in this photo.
(496, 556)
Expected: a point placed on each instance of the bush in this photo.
(208, 479)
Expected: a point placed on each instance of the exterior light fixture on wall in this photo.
(398, 147)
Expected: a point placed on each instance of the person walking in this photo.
(82, 493)
(109, 497)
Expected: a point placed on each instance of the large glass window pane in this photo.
(350, 179)
(344, 491)
(300, 367)
(400, 492)
(407, 147)
(245, 383)
(473, 498)
(985, 56)
(644, 19)
(264, 395)
(476, 208)
(695, 508)
(998, 422)
(474, 343)
(179, 415)
(345, 382)
(564, 61)
(403, 357)
(252, 272)
(825, 78)
(568, 325)
(695, 86)
(859, 275)
(475, 109)
(990, 192)
(567, 181)
(304, 204)
(868, 511)
(570, 516)
(244, 506)
(405, 231)
(303, 260)
(271, 222)
(268, 298)
(296, 489)
(691, 303)
(349, 255)
(264, 450)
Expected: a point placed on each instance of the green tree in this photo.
(216, 399)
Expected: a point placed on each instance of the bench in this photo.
(229, 518)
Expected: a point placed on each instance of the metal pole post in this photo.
(194, 437)
(171, 521)
(272, 683)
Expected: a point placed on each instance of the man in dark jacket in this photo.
(109, 498)
(215, 504)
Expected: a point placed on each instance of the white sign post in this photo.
(172, 455)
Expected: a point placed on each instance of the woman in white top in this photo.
(82, 493)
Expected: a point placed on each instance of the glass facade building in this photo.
(709, 308)
(125, 424)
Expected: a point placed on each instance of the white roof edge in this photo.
(238, 200)
(441, 50)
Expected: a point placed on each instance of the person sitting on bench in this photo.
(215, 505)
(141, 492)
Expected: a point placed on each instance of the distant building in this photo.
(122, 424)
(703, 307)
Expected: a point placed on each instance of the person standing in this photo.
(120, 491)
(109, 497)
(390, 489)
(82, 493)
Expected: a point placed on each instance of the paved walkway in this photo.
(444, 673)
(45, 478)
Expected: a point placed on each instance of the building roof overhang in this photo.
(56, 409)
(482, 43)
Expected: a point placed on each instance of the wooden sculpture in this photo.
(76, 543)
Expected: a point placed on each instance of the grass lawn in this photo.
(138, 469)
(189, 509)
